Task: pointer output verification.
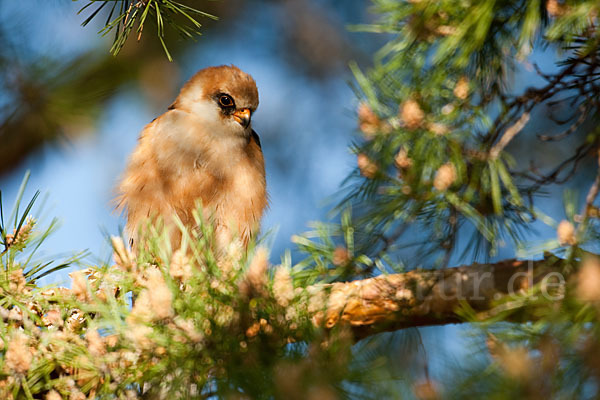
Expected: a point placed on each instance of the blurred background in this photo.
(71, 113)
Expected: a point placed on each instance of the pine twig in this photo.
(509, 135)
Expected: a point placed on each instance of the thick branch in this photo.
(429, 297)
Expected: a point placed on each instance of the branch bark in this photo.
(433, 297)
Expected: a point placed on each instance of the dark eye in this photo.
(226, 101)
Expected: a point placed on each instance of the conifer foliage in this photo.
(441, 179)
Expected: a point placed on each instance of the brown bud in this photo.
(18, 357)
(95, 342)
(369, 122)
(402, 160)
(256, 276)
(445, 30)
(566, 233)
(411, 114)
(367, 168)
(340, 256)
(437, 128)
(444, 177)
(79, 285)
(555, 8)
(180, 268)
(17, 281)
(53, 395)
(461, 90)
(283, 288)
(253, 330)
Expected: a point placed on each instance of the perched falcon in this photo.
(203, 149)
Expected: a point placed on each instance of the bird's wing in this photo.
(256, 138)
(139, 190)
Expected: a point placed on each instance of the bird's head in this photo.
(223, 97)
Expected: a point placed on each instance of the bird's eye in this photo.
(226, 101)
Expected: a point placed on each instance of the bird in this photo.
(201, 150)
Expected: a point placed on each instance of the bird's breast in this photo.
(232, 192)
(242, 197)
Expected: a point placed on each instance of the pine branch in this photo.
(126, 15)
(509, 135)
(427, 297)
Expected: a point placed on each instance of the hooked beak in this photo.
(242, 117)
